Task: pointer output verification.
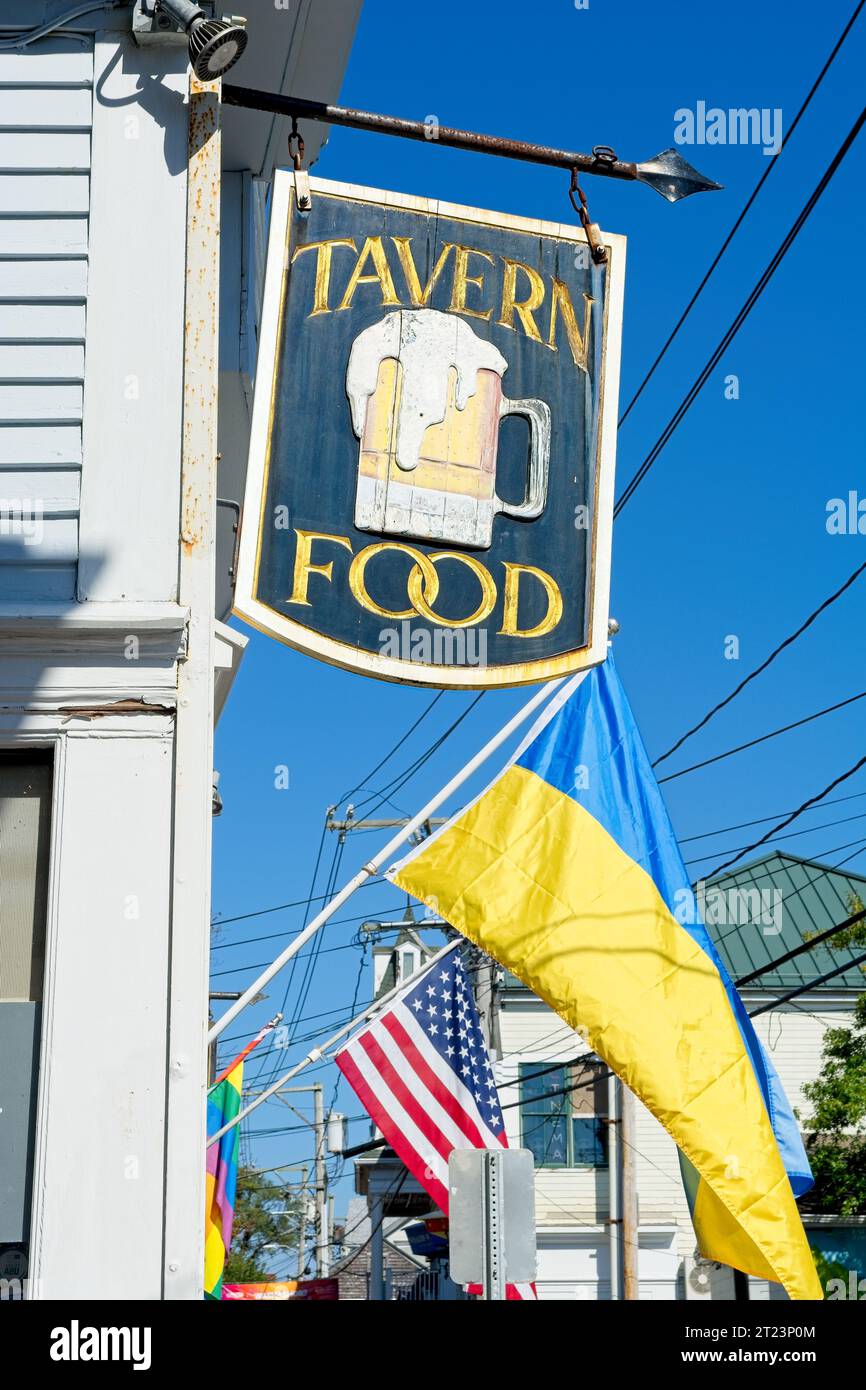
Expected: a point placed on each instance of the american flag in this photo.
(423, 1074)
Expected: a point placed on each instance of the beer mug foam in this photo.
(426, 399)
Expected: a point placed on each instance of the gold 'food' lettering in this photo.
(513, 575)
(371, 250)
(423, 584)
(304, 566)
(358, 583)
(324, 251)
(419, 588)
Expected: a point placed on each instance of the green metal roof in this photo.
(802, 897)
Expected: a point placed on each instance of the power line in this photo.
(787, 641)
(766, 873)
(400, 780)
(282, 907)
(408, 733)
(792, 834)
(771, 834)
(804, 989)
(741, 317)
(809, 945)
(335, 922)
(744, 824)
(752, 743)
(732, 233)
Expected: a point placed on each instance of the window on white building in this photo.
(563, 1114)
(25, 826)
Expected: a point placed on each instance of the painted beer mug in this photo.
(426, 399)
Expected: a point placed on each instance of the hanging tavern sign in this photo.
(430, 483)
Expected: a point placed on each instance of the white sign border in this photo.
(266, 619)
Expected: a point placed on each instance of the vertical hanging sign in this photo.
(430, 484)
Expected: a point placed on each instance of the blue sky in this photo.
(727, 535)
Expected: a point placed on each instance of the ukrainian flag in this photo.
(567, 871)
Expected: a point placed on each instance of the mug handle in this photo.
(538, 415)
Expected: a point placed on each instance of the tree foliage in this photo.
(266, 1213)
(836, 1131)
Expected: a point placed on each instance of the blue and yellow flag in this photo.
(567, 871)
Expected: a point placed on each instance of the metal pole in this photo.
(668, 173)
(302, 1224)
(493, 1261)
(316, 1053)
(377, 1249)
(385, 854)
(630, 1218)
(183, 1218)
(487, 1003)
(323, 1261)
(614, 1149)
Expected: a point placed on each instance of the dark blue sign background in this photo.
(313, 461)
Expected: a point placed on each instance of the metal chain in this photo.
(598, 250)
(297, 154)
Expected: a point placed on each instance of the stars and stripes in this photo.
(422, 1072)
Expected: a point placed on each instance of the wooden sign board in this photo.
(430, 482)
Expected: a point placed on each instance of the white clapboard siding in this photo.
(45, 279)
(42, 323)
(45, 118)
(42, 361)
(29, 237)
(48, 446)
(29, 108)
(44, 193)
(49, 150)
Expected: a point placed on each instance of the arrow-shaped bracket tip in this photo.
(673, 177)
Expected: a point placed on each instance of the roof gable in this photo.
(767, 907)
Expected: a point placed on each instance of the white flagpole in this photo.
(384, 855)
(316, 1053)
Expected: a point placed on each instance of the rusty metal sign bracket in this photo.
(302, 176)
(668, 173)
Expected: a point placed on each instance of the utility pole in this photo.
(317, 1124)
(630, 1217)
(302, 1224)
(486, 1000)
(614, 1158)
(323, 1252)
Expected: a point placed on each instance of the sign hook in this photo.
(302, 177)
(593, 232)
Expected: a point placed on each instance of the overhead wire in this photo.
(781, 825)
(737, 323)
(786, 642)
(762, 738)
(740, 219)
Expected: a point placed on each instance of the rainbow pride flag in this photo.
(223, 1104)
(567, 871)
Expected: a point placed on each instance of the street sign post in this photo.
(492, 1218)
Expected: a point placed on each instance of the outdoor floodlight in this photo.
(214, 44)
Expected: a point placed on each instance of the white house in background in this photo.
(568, 1135)
(111, 663)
